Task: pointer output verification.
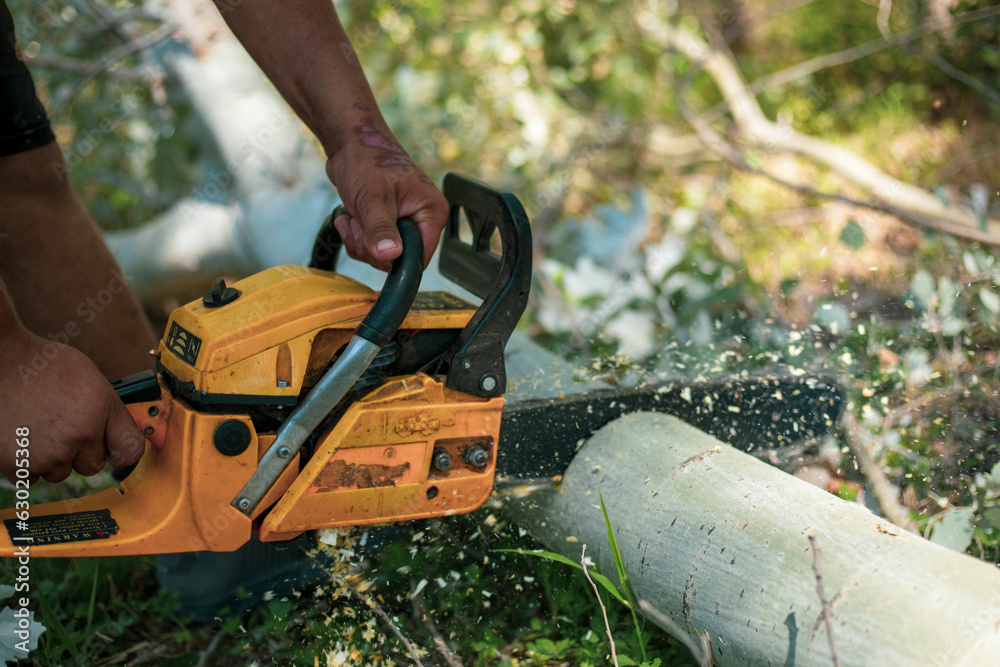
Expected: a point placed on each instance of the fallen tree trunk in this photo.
(721, 543)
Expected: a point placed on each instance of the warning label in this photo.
(440, 301)
(56, 528)
(183, 343)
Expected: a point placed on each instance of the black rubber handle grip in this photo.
(401, 285)
(328, 243)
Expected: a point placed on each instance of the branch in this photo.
(890, 195)
(81, 66)
(607, 626)
(827, 610)
(701, 651)
(885, 10)
(862, 50)
(421, 613)
(884, 494)
(144, 42)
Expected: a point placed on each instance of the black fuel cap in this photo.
(220, 295)
(232, 437)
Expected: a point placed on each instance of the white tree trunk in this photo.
(719, 541)
(264, 194)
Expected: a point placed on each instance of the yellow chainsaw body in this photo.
(371, 465)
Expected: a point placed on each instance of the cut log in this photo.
(720, 542)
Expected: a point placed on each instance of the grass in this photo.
(490, 603)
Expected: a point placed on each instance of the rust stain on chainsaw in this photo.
(339, 474)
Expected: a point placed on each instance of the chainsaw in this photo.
(299, 399)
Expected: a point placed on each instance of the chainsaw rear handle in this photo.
(401, 285)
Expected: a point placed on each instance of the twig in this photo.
(607, 625)
(425, 618)
(81, 66)
(773, 10)
(916, 205)
(120, 657)
(857, 52)
(895, 414)
(210, 650)
(885, 10)
(855, 435)
(827, 611)
(729, 152)
(377, 608)
(373, 604)
(907, 216)
(698, 650)
(138, 44)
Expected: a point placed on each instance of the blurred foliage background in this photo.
(655, 256)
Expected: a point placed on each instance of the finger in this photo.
(354, 240)
(58, 473)
(341, 220)
(124, 441)
(361, 247)
(90, 462)
(430, 226)
(431, 219)
(381, 234)
(343, 225)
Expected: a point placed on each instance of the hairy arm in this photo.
(303, 48)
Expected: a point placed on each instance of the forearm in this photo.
(303, 48)
(10, 325)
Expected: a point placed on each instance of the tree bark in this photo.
(720, 542)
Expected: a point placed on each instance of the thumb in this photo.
(381, 232)
(124, 440)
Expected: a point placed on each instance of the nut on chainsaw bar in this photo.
(299, 399)
(477, 456)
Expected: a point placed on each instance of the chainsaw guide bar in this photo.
(540, 437)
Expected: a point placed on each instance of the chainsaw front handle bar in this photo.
(399, 291)
(401, 284)
(375, 332)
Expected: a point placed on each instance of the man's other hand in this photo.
(75, 419)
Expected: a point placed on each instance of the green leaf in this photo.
(11, 648)
(852, 234)
(65, 641)
(90, 606)
(619, 564)
(954, 530)
(990, 300)
(559, 558)
(625, 660)
(923, 288)
(633, 601)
